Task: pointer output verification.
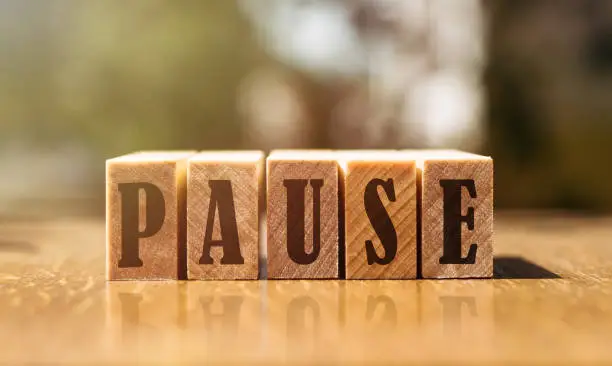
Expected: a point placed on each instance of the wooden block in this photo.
(457, 214)
(223, 191)
(145, 202)
(380, 214)
(302, 214)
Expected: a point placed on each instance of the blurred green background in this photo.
(529, 82)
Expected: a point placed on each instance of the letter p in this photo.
(130, 219)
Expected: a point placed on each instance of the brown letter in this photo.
(453, 220)
(296, 240)
(130, 232)
(381, 222)
(221, 196)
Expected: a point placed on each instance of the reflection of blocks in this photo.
(382, 308)
(304, 319)
(144, 204)
(380, 206)
(457, 214)
(141, 316)
(458, 311)
(223, 190)
(223, 321)
(303, 238)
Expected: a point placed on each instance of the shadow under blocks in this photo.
(519, 268)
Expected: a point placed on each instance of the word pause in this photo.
(369, 214)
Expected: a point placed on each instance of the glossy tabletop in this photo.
(551, 301)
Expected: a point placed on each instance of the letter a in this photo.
(130, 231)
(221, 197)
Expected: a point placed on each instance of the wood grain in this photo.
(145, 198)
(296, 176)
(457, 171)
(548, 303)
(233, 219)
(380, 213)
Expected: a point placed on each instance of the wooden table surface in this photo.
(551, 302)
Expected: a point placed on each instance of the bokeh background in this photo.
(528, 82)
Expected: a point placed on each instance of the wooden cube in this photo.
(457, 214)
(145, 203)
(380, 214)
(223, 190)
(302, 214)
